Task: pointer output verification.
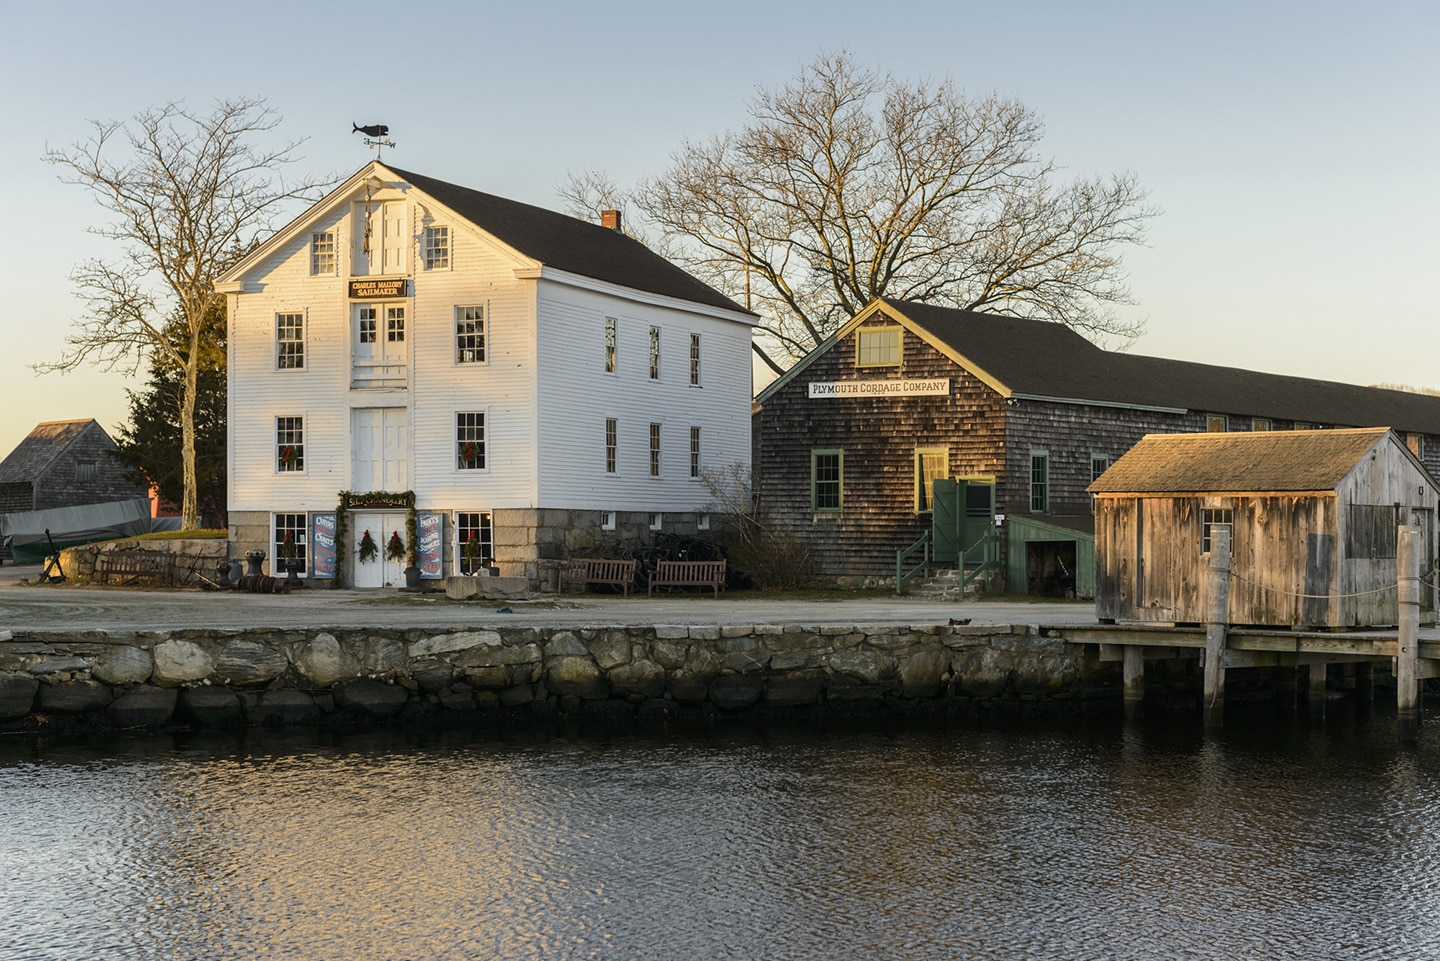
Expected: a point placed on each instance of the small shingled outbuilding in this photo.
(1313, 516)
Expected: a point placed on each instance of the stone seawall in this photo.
(264, 677)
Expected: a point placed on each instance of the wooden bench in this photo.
(127, 567)
(688, 574)
(597, 570)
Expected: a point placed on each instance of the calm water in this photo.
(1277, 839)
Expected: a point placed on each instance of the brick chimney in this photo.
(610, 219)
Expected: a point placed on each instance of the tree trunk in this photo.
(189, 512)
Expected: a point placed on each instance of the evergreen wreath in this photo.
(395, 549)
(368, 550)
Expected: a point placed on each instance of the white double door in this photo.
(380, 449)
(379, 571)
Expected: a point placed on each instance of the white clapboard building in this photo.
(413, 355)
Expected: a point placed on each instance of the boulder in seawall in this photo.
(178, 663)
(124, 665)
(324, 662)
(578, 676)
(17, 694)
(247, 664)
(73, 697)
(144, 706)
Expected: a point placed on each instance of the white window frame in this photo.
(655, 353)
(702, 523)
(694, 451)
(301, 540)
(435, 254)
(657, 521)
(289, 435)
(319, 240)
(694, 360)
(612, 344)
(461, 461)
(607, 520)
(462, 533)
(656, 462)
(299, 349)
(612, 445)
(461, 352)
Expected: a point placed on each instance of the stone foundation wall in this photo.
(205, 553)
(268, 677)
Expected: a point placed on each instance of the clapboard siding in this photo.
(577, 395)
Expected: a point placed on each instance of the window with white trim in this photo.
(610, 335)
(290, 341)
(322, 253)
(694, 452)
(437, 248)
(657, 521)
(288, 542)
(474, 540)
(694, 360)
(654, 353)
(470, 440)
(607, 520)
(470, 335)
(612, 444)
(654, 450)
(289, 444)
(702, 523)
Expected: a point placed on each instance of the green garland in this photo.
(412, 534)
(341, 553)
(412, 527)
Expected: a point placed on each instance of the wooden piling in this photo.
(1407, 660)
(1219, 615)
(1134, 665)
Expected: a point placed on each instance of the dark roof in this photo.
(572, 245)
(1045, 359)
(33, 455)
(1287, 460)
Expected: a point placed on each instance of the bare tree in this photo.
(188, 194)
(847, 185)
(590, 192)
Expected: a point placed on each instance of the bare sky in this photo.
(1291, 146)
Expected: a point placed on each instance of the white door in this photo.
(380, 570)
(381, 240)
(379, 449)
(380, 345)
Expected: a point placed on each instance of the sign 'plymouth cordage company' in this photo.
(880, 388)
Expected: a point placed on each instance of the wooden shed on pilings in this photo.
(1313, 516)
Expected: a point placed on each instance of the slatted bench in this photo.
(688, 574)
(597, 570)
(127, 567)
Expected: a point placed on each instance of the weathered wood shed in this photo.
(1313, 516)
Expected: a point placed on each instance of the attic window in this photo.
(437, 248)
(85, 471)
(322, 253)
(877, 347)
(1416, 443)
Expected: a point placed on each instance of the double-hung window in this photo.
(612, 444)
(289, 541)
(470, 440)
(694, 360)
(654, 450)
(610, 334)
(654, 353)
(474, 540)
(694, 452)
(289, 444)
(290, 341)
(322, 253)
(1039, 481)
(470, 335)
(437, 248)
(827, 473)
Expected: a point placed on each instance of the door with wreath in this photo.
(384, 531)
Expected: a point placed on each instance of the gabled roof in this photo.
(1252, 461)
(1047, 361)
(40, 448)
(553, 239)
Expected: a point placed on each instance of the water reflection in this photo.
(1272, 840)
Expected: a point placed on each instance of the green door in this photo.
(947, 520)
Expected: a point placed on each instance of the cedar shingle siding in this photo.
(66, 464)
(1016, 386)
